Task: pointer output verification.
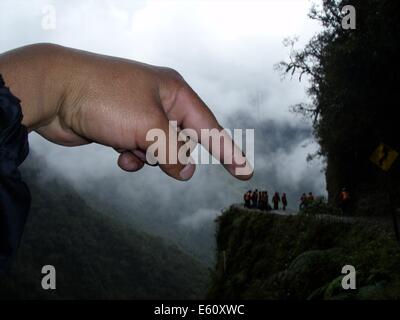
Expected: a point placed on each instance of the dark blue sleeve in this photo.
(14, 194)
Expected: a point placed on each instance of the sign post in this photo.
(384, 157)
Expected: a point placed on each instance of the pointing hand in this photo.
(73, 98)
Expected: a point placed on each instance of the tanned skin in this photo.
(72, 98)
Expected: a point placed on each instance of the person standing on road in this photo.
(247, 199)
(254, 199)
(276, 199)
(284, 201)
(344, 198)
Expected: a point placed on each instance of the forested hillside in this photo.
(299, 257)
(95, 256)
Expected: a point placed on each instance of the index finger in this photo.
(191, 112)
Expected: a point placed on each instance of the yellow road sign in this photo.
(384, 156)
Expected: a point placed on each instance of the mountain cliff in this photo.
(270, 256)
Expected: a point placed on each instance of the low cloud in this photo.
(198, 218)
(226, 51)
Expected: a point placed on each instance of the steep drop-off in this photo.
(95, 256)
(270, 256)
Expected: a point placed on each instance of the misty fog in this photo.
(226, 51)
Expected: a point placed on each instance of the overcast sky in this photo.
(226, 50)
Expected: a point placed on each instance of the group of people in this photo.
(306, 200)
(259, 200)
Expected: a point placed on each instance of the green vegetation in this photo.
(270, 256)
(320, 206)
(353, 90)
(96, 257)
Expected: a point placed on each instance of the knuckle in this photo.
(173, 85)
(173, 77)
(172, 73)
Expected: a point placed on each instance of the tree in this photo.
(353, 84)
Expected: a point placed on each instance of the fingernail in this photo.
(186, 172)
